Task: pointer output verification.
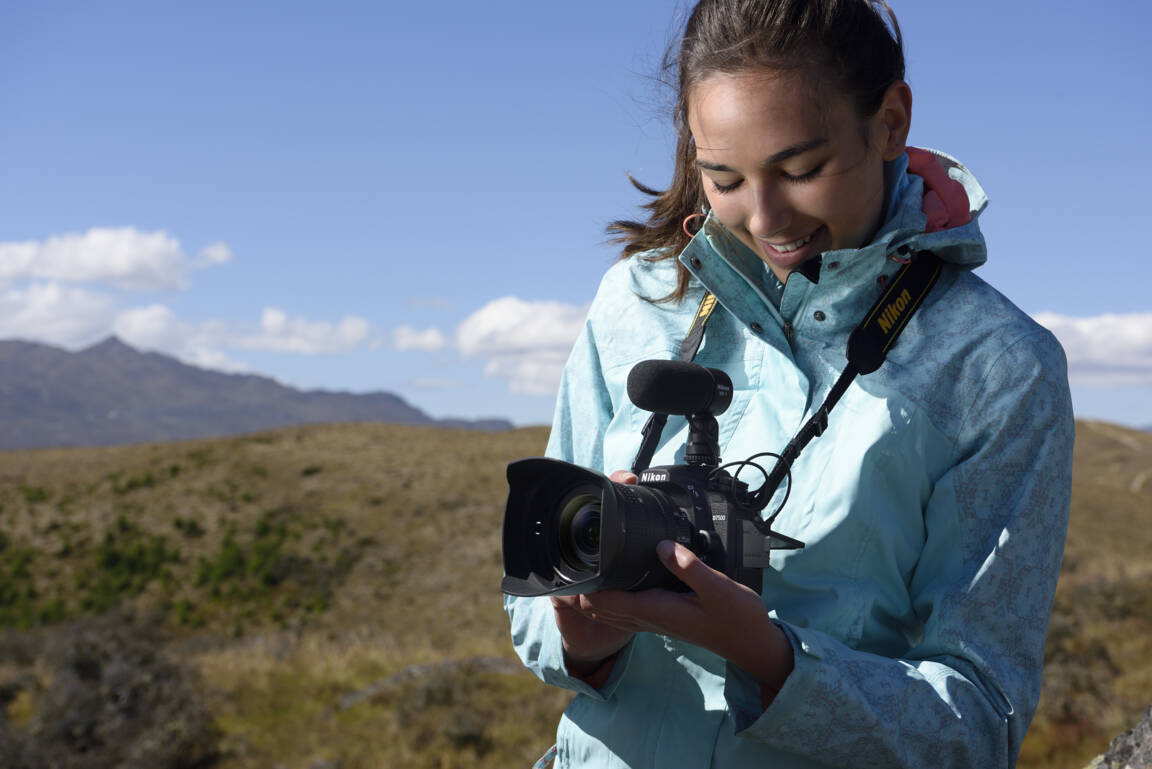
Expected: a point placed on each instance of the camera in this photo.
(570, 530)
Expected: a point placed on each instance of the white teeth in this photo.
(786, 247)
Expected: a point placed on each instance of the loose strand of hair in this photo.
(662, 236)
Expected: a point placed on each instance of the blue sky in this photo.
(411, 197)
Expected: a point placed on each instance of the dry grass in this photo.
(1098, 659)
(413, 512)
(316, 700)
(366, 561)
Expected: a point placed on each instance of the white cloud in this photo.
(156, 328)
(73, 318)
(120, 256)
(535, 374)
(48, 312)
(1111, 350)
(214, 253)
(524, 342)
(153, 327)
(39, 301)
(283, 333)
(408, 338)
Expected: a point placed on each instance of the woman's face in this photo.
(785, 165)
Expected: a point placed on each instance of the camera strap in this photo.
(868, 347)
(654, 427)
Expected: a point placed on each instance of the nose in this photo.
(771, 212)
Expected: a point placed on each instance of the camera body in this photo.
(601, 535)
(570, 530)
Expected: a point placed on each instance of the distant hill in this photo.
(111, 394)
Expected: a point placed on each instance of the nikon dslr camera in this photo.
(570, 530)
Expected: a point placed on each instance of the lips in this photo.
(791, 253)
(784, 248)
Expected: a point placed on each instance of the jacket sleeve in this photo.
(583, 410)
(984, 584)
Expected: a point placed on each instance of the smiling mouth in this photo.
(784, 248)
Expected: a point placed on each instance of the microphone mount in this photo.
(703, 446)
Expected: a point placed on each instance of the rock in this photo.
(1131, 750)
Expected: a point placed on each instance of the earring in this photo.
(685, 225)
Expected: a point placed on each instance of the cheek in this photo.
(866, 198)
(851, 207)
(725, 208)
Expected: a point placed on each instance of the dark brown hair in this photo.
(846, 44)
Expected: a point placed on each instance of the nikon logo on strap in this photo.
(891, 312)
(869, 343)
(707, 304)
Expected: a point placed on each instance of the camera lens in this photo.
(579, 532)
(586, 532)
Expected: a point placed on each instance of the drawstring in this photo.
(903, 250)
(883, 279)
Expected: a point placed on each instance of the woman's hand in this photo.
(720, 615)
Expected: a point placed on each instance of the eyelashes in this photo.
(805, 176)
(790, 178)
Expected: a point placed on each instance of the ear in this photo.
(894, 119)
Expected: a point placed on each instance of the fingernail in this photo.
(666, 549)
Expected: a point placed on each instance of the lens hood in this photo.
(549, 547)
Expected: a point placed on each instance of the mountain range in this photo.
(111, 394)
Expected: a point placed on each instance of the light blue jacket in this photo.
(934, 510)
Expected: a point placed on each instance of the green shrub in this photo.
(110, 697)
(34, 494)
(122, 485)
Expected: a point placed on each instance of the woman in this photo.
(910, 629)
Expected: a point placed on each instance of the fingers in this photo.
(714, 615)
(621, 610)
(623, 476)
(683, 563)
(602, 610)
(593, 606)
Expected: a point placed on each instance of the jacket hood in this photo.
(935, 204)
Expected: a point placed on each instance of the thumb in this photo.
(685, 565)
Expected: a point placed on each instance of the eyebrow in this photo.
(788, 152)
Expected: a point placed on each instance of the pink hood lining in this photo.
(946, 203)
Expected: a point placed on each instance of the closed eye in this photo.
(792, 178)
(723, 188)
(806, 176)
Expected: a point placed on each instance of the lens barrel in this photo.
(569, 530)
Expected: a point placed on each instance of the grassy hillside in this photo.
(328, 596)
(1098, 659)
